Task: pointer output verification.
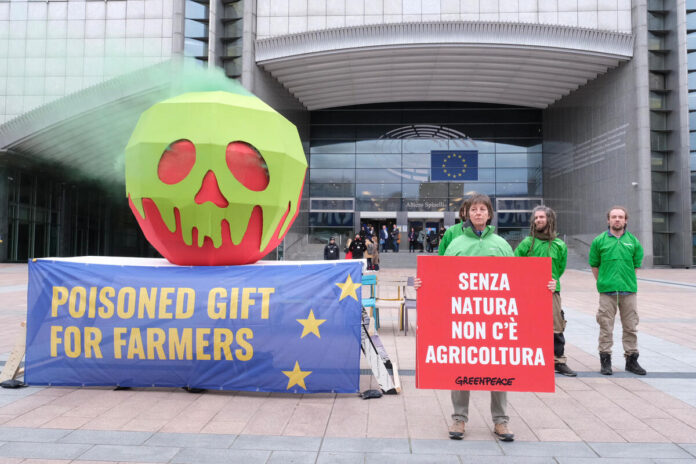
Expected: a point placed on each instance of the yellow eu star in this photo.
(348, 288)
(310, 325)
(296, 376)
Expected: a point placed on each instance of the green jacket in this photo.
(617, 260)
(450, 234)
(558, 252)
(467, 243)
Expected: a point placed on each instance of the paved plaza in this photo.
(592, 418)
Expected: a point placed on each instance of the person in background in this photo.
(357, 247)
(412, 238)
(384, 238)
(542, 242)
(346, 250)
(370, 248)
(422, 237)
(331, 250)
(614, 257)
(396, 238)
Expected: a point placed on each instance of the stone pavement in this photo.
(589, 419)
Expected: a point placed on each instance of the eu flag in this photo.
(453, 165)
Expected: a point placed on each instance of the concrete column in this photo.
(4, 214)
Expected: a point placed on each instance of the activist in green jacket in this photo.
(542, 242)
(617, 259)
(556, 250)
(475, 237)
(469, 243)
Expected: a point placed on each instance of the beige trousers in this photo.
(606, 314)
(460, 402)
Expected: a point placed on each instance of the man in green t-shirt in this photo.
(614, 257)
(542, 242)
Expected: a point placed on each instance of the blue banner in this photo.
(453, 165)
(263, 327)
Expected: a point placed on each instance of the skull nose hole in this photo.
(210, 191)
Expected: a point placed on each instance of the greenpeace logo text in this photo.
(484, 381)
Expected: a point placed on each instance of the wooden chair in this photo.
(370, 281)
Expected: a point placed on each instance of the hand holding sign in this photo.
(484, 324)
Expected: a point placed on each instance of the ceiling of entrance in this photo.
(519, 64)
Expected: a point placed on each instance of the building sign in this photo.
(425, 205)
(485, 324)
(453, 165)
(263, 327)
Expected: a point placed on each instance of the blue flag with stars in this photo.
(453, 165)
(272, 327)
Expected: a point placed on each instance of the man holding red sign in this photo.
(474, 237)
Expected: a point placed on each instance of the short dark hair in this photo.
(622, 208)
(476, 198)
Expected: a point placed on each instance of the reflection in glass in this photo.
(332, 190)
(425, 190)
(378, 175)
(332, 146)
(332, 161)
(420, 160)
(423, 146)
(378, 161)
(378, 146)
(318, 176)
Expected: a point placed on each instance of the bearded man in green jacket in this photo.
(543, 242)
(614, 257)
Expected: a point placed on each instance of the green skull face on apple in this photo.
(214, 178)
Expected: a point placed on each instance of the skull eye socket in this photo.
(176, 162)
(247, 165)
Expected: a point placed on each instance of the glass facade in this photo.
(48, 216)
(380, 155)
(691, 47)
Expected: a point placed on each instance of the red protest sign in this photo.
(485, 324)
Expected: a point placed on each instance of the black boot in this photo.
(605, 359)
(632, 364)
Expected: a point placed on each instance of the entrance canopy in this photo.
(519, 64)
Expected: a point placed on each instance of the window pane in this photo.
(378, 146)
(332, 146)
(318, 176)
(428, 190)
(332, 190)
(378, 161)
(378, 175)
(458, 191)
(512, 189)
(416, 161)
(424, 145)
(332, 161)
(377, 191)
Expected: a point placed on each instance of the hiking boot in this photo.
(456, 430)
(633, 366)
(605, 360)
(562, 368)
(503, 433)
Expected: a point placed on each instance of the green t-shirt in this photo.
(558, 252)
(468, 243)
(617, 259)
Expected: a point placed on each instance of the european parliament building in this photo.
(403, 107)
